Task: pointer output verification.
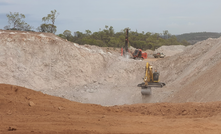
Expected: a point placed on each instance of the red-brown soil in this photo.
(26, 111)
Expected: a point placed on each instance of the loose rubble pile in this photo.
(170, 50)
(90, 74)
(193, 75)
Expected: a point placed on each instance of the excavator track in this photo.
(146, 90)
(151, 84)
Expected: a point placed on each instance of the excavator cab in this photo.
(156, 76)
(138, 54)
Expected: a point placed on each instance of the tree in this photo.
(49, 28)
(173, 40)
(51, 17)
(79, 34)
(88, 32)
(125, 29)
(166, 34)
(62, 36)
(111, 31)
(185, 43)
(67, 34)
(16, 23)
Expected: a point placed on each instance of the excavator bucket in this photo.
(146, 91)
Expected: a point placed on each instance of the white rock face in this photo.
(54, 66)
(88, 74)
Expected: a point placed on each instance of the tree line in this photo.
(109, 38)
(102, 38)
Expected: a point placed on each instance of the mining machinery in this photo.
(151, 79)
(137, 54)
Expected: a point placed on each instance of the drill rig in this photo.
(150, 80)
(137, 54)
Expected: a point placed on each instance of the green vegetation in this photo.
(16, 23)
(108, 38)
(105, 38)
(195, 37)
(49, 28)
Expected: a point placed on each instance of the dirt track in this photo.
(48, 114)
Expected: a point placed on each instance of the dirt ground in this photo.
(76, 88)
(149, 59)
(27, 111)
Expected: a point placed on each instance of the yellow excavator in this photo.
(150, 80)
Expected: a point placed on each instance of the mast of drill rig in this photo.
(126, 44)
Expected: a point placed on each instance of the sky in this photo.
(156, 16)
